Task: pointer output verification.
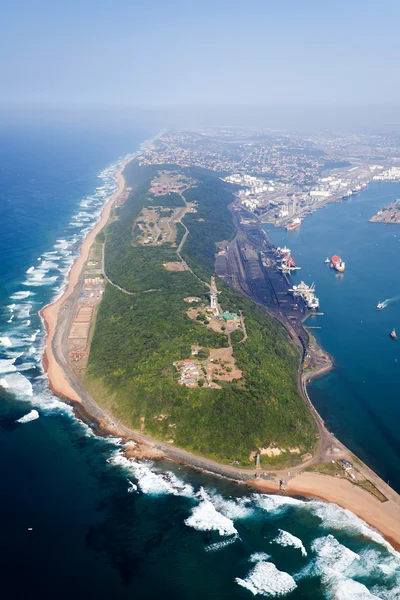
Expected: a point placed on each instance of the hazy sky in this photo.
(169, 53)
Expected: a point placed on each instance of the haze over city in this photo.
(289, 56)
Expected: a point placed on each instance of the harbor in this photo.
(255, 266)
(358, 398)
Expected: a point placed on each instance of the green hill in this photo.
(138, 337)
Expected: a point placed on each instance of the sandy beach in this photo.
(58, 382)
(383, 516)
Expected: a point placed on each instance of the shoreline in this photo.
(346, 495)
(49, 314)
(325, 487)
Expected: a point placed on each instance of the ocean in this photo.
(80, 520)
(359, 399)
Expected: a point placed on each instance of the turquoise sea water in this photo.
(78, 520)
(360, 399)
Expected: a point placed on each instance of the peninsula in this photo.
(176, 332)
(388, 214)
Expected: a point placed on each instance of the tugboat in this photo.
(393, 334)
(380, 305)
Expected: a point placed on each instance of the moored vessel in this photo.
(340, 267)
(307, 293)
(294, 224)
(337, 264)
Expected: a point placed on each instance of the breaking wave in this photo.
(148, 480)
(284, 538)
(30, 416)
(205, 517)
(265, 579)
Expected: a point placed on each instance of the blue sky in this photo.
(200, 53)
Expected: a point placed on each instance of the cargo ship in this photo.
(359, 188)
(307, 293)
(288, 264)
(293, 225)
(337, 264)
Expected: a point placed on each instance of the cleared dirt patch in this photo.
(221, 365)
(175, 266)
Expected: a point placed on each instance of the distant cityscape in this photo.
(280, 178)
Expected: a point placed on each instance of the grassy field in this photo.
(138, 337)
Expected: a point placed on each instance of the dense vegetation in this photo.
(211, 223)
(138, 338)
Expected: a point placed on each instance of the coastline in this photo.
(381, 516)
(58, 382)
(384, 517)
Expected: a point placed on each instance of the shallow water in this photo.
(81, 521)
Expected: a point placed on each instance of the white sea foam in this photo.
(22, 311)
(377, 562)
(33, 337)
(44, 399)
(149, 481)
(233, 508)
(39, 280)
(61, 243)
(26, 366)
(348, 589)
(265, 579)
(387, 594)
(132, 487)
(47, 265)
(221, 545)
(18, 384)
(30, 416)
(284, 538)
(276, 503)
(205, 517)
(332, 558)
(7, 365)
(257, 556)
(334, 517)
(21, 295)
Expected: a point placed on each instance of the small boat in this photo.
(380, 305)
(327, 261)
(393, 334)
